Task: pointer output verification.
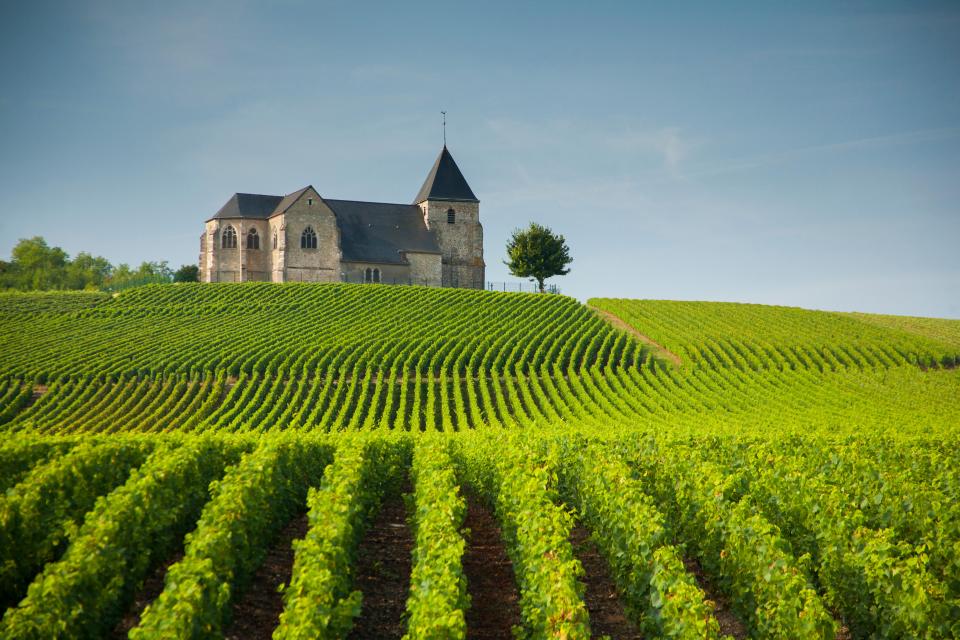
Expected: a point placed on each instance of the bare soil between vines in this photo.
(150, 590)
(257, 612)
(607, 615)
(494, 600)
(383, 573)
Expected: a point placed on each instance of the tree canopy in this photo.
(537, 252)
(187, 273)
(35, 265)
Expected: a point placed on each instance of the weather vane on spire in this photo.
(444, 114)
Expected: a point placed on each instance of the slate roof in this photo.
(248, 205)
(445, 182)
(379, 231)
(288, 200)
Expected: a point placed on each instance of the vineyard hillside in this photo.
(261, 460)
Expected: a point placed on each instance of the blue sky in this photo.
(804, 153)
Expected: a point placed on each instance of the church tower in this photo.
(452, 212)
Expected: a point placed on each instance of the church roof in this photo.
(288, 200)
(248, 205)
(445, 182)
(379, 231)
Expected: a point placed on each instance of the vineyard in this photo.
(355, 461)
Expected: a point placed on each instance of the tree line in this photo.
(36, 266)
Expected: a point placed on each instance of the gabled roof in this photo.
(445, 182)
(248, 205)
(379, 231)
(289, 199)
(256, 205)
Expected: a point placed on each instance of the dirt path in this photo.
(494, 607)
(607, 617)
(150, 591)
(730, 624)
(257, 612)
(383, 574)
(658, 349)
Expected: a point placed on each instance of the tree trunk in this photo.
(540, 284)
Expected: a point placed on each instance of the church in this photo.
(435, 241)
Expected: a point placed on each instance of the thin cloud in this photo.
(875, 142)
(671, 144)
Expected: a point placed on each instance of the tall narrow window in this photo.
(376, 275)
(451, 216)
(308, 239)
(253, 239)
(274, 238)
(368, 275)
(229, 238)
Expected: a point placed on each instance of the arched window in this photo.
(376, 275)
(451, 216)
(368, 275)
(274, 238)
(308, 239)
(253, 239)
(229, 238)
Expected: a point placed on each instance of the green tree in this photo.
(187, 273)
(38, 265)
(537, 252)
(87, 272)
(147, 273)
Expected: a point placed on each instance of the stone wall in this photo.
(256, 264)
(309, 265)
(238, 264)
(461, 242)
(277, 248)
(389, 273)
(425, 268)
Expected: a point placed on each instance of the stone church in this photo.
(435, 241)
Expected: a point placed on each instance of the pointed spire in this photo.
(445, 182)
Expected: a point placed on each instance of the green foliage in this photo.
(438, 587)
(127, 532)
(663, 598)
(536, 533)
(320, 602)
(36, 266)
(14, 395)
(300, 328)
(940, 329)
(768, 585)
(808, 461)
(187, 273)
(879, 541)
(757, 337)
(537, 252)
(19, 455)
(37, 516)
(250, 504)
